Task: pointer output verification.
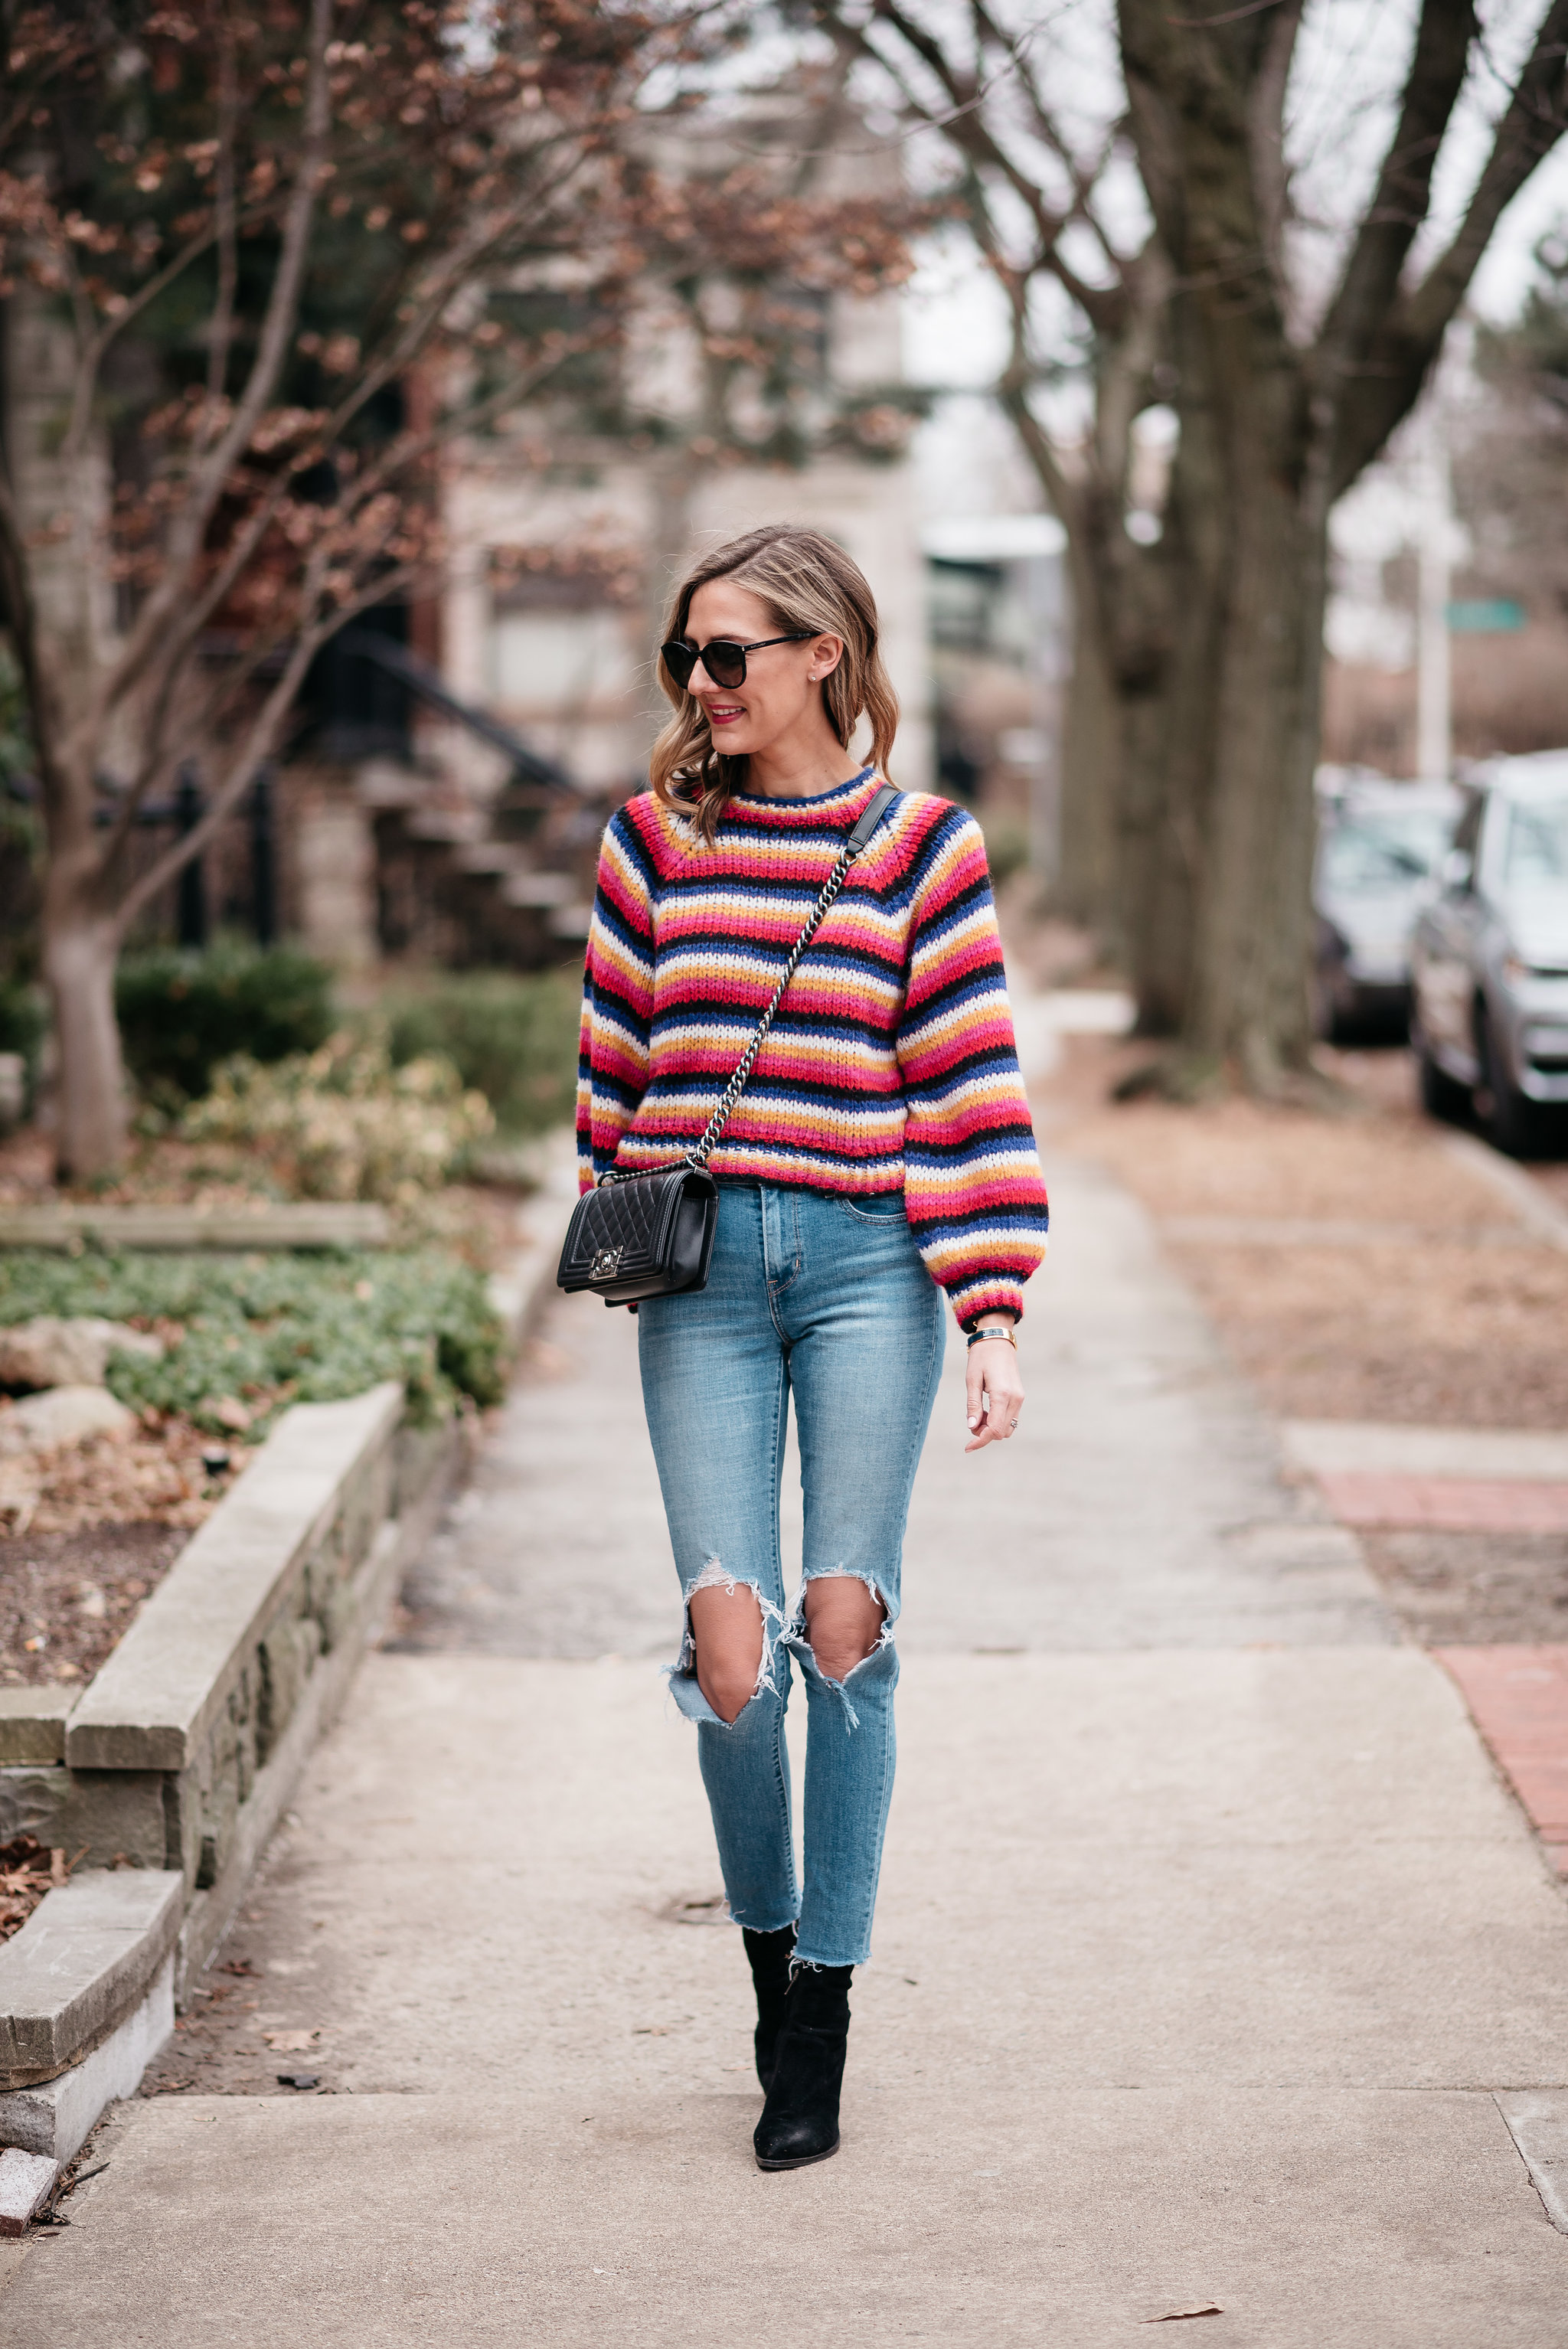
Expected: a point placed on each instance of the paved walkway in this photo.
(1207, 1931)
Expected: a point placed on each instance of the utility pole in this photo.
(1435, 549)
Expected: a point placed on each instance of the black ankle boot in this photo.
(800, 2120)
(769, 1954)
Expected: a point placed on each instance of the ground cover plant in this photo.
(244, 1336)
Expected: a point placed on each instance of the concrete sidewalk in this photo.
(1207, 1932)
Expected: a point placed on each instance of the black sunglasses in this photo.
(725, 662)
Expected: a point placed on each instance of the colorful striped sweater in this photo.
(892, 1063)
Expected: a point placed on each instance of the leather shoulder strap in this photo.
(872, 815)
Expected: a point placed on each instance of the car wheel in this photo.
(1513, 1121)
(1442, 1096)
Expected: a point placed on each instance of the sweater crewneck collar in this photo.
(811, 807)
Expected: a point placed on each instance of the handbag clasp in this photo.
(607, 1264)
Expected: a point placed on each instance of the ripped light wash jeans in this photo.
(811, 1296)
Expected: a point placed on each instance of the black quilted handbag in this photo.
(650, 1234)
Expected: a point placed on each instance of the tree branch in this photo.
(190, 527)
(1370, 282)
(1535, 120)
(969, 132)
(158, 757)
(259, 742)
(1389, 381)
(1265, 140)
(223, 323)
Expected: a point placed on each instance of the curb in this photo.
(181, 1754)
(519, 1291)
(1510, 1182)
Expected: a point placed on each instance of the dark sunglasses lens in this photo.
(680, 660)
(726, 663)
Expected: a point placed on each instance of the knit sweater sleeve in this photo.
(617, 1000)
(973, 1190)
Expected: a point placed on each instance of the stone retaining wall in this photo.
(164, 1778)
(167, 1775)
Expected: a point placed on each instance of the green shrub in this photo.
(269, 1330)
(343, 1122)
(181, 1012)
(514, 1038)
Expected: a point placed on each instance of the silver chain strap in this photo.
(737, 1083)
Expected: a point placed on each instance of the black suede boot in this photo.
(769, 1954)
(800, 2120)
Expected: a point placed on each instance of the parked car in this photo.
(1379, 845)
(1489, 960)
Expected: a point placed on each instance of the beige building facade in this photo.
(550, 618)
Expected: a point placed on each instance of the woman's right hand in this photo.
(994, 1388)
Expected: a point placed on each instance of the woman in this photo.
(882, 1153)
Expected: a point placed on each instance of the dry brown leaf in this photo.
(290, 2043)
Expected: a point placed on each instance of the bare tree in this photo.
(249, 495)
(219, 177)
(1193, 721)
(287, 218)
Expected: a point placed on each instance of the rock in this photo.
(50, 1352)
(61, 1415)
(25, 2182)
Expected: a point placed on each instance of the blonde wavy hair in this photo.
(807, 583)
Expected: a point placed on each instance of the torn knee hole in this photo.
(731, 1656)
(842, 1632)
(715, 1575)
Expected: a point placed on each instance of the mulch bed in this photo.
(67, 1598)
(164, 1471)
(1444, 1328)
(1451, 1320)
(28, 1871)
(1474, 1590)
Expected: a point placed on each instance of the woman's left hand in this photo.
(995, 1391)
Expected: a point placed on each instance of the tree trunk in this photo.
(81, 947)
(1086, 886)
(1169, 720)
(1249, 999)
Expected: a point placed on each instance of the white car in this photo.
(1379, 845)
(1490, 957)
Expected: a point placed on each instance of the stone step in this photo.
(539, 889)
(445, 826)
(486, 857)
(86, 1958)
(286, 1224)
(32, 1722)
(26, 2180)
